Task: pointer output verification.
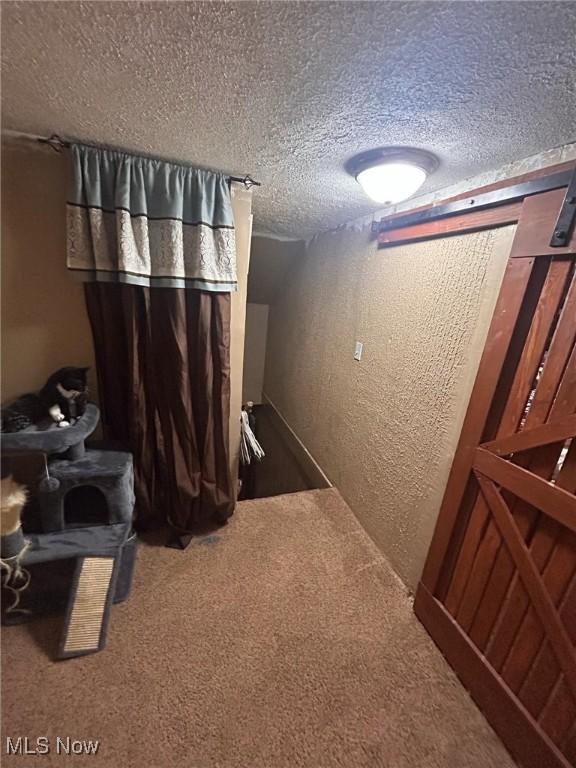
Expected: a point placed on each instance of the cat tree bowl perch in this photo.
(49, 438)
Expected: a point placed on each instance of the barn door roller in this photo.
(566, 217)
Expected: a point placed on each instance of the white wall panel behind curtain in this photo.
(255, 352)
(242, 208)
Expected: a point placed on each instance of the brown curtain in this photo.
(163, 360)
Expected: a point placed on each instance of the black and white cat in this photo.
(63, 398)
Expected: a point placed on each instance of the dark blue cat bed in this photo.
(110, 472)
(48, 437)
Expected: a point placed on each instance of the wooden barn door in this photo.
(498, 592)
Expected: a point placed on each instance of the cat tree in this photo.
(104, 550)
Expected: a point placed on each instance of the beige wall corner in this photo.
(242, 205)
(384, 429)
(254, 352)
(271, 261)
(44, 321)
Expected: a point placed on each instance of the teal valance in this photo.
(148, 222)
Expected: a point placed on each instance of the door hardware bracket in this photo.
(567, 216)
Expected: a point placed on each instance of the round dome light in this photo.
(391, 174)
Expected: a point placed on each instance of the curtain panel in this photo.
(150, 223)
(155, 244)
(163, 362)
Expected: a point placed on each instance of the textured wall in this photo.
(270, 261)
(44, 322)
(384, 429)
(288, 91)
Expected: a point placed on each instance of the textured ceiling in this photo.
(289, 91)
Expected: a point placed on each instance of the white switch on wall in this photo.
(358, 350)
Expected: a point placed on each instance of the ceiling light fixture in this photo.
(391, 174)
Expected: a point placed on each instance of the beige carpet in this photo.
(285, 640)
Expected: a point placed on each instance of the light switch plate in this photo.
(358, 350)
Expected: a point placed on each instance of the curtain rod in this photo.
(57, 143)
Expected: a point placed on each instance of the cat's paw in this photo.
(56, 414)
(63, 423)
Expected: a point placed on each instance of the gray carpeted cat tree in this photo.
(103, 549)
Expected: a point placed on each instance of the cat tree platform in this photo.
(102, 575)
(48, 437)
